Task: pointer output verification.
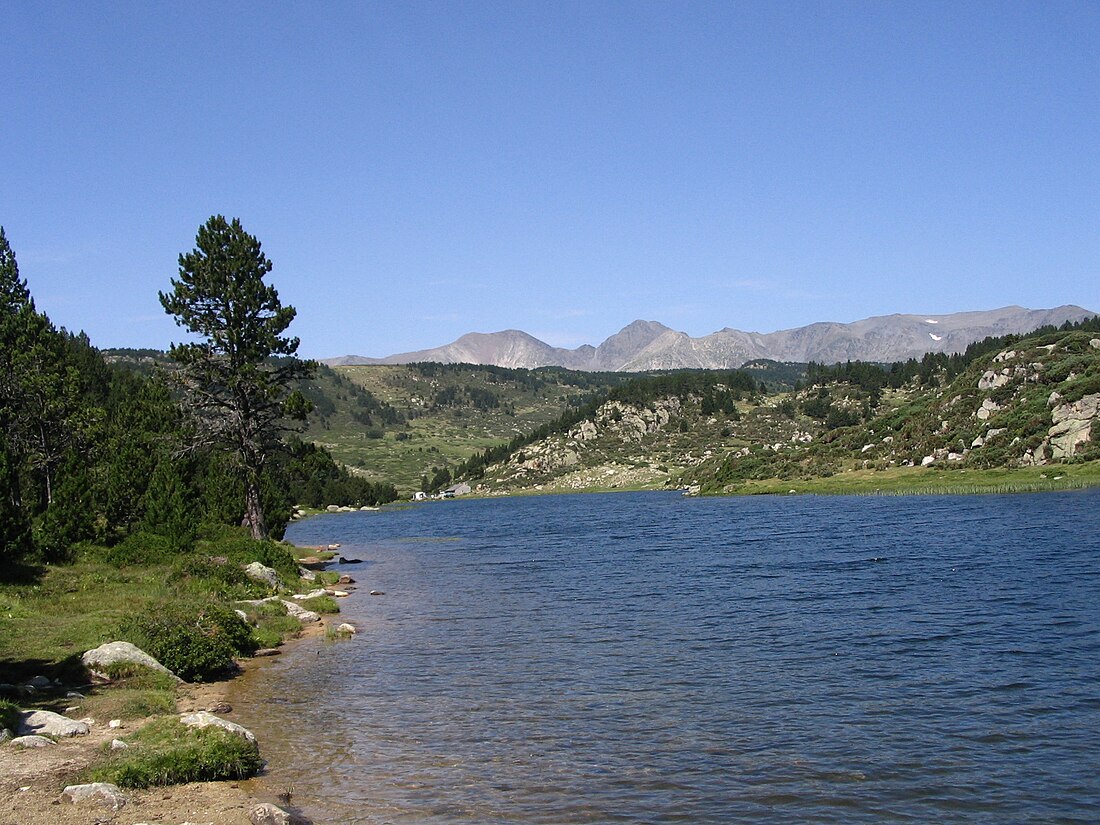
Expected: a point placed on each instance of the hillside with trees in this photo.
(435, 418)
(92, 451)
(1007, 401)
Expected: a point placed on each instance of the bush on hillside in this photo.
(236, 545)
(136, 548)
(197, 642)
(213, 577)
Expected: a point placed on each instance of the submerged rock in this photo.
(268, 814)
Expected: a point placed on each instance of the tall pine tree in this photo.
(237, 377)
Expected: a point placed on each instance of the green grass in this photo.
(55, 613)
(167, 752)
(930, 481)
(321, 604)
(122, 702)
(50, 622)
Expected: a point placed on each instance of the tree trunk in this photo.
(253, 510)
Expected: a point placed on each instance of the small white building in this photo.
(456, 490)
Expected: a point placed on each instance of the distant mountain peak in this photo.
(649, 345)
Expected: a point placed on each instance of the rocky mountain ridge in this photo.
(650, 345)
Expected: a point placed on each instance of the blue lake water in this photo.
(652, 658)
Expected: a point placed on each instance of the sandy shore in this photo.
(31, 780)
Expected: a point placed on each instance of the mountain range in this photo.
(649, 345)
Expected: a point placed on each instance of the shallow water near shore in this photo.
(651, 658)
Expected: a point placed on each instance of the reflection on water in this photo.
(649, 658)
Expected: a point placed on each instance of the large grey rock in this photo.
(204, 719)
(1072, 425)
(48, 723)
(100, 793)
(300, 613)
(268, 814)
(262, 573)
(312, 594)
(32, 742)
(112, 653)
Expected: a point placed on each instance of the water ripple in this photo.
(648, 658)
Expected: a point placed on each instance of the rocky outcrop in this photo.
(1072, 425)
(624, 423)
(262, 573)
(98, 659)
(102, 794)
(987, 409)
(47, 723)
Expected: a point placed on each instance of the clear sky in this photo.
(418, 170)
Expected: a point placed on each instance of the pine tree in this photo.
(168, 510)
(237, 378)
(15, 534)
(41, 408)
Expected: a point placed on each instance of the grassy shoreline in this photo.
(930, 481)
(55, 613)
(934, 480)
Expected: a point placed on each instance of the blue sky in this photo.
(420, 170)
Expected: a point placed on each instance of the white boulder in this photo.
(48, 723)
(205, 719)
(101, 793)
(99, 658)
(262, 573)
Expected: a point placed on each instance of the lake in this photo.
(651, 658)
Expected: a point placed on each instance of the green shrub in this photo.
(270, 632)
(167, 752)
(228, 580)
(198, 642)
(136, 548)
(272, 623)
(9, 715)
(235, 545)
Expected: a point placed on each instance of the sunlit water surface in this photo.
(650, 658)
